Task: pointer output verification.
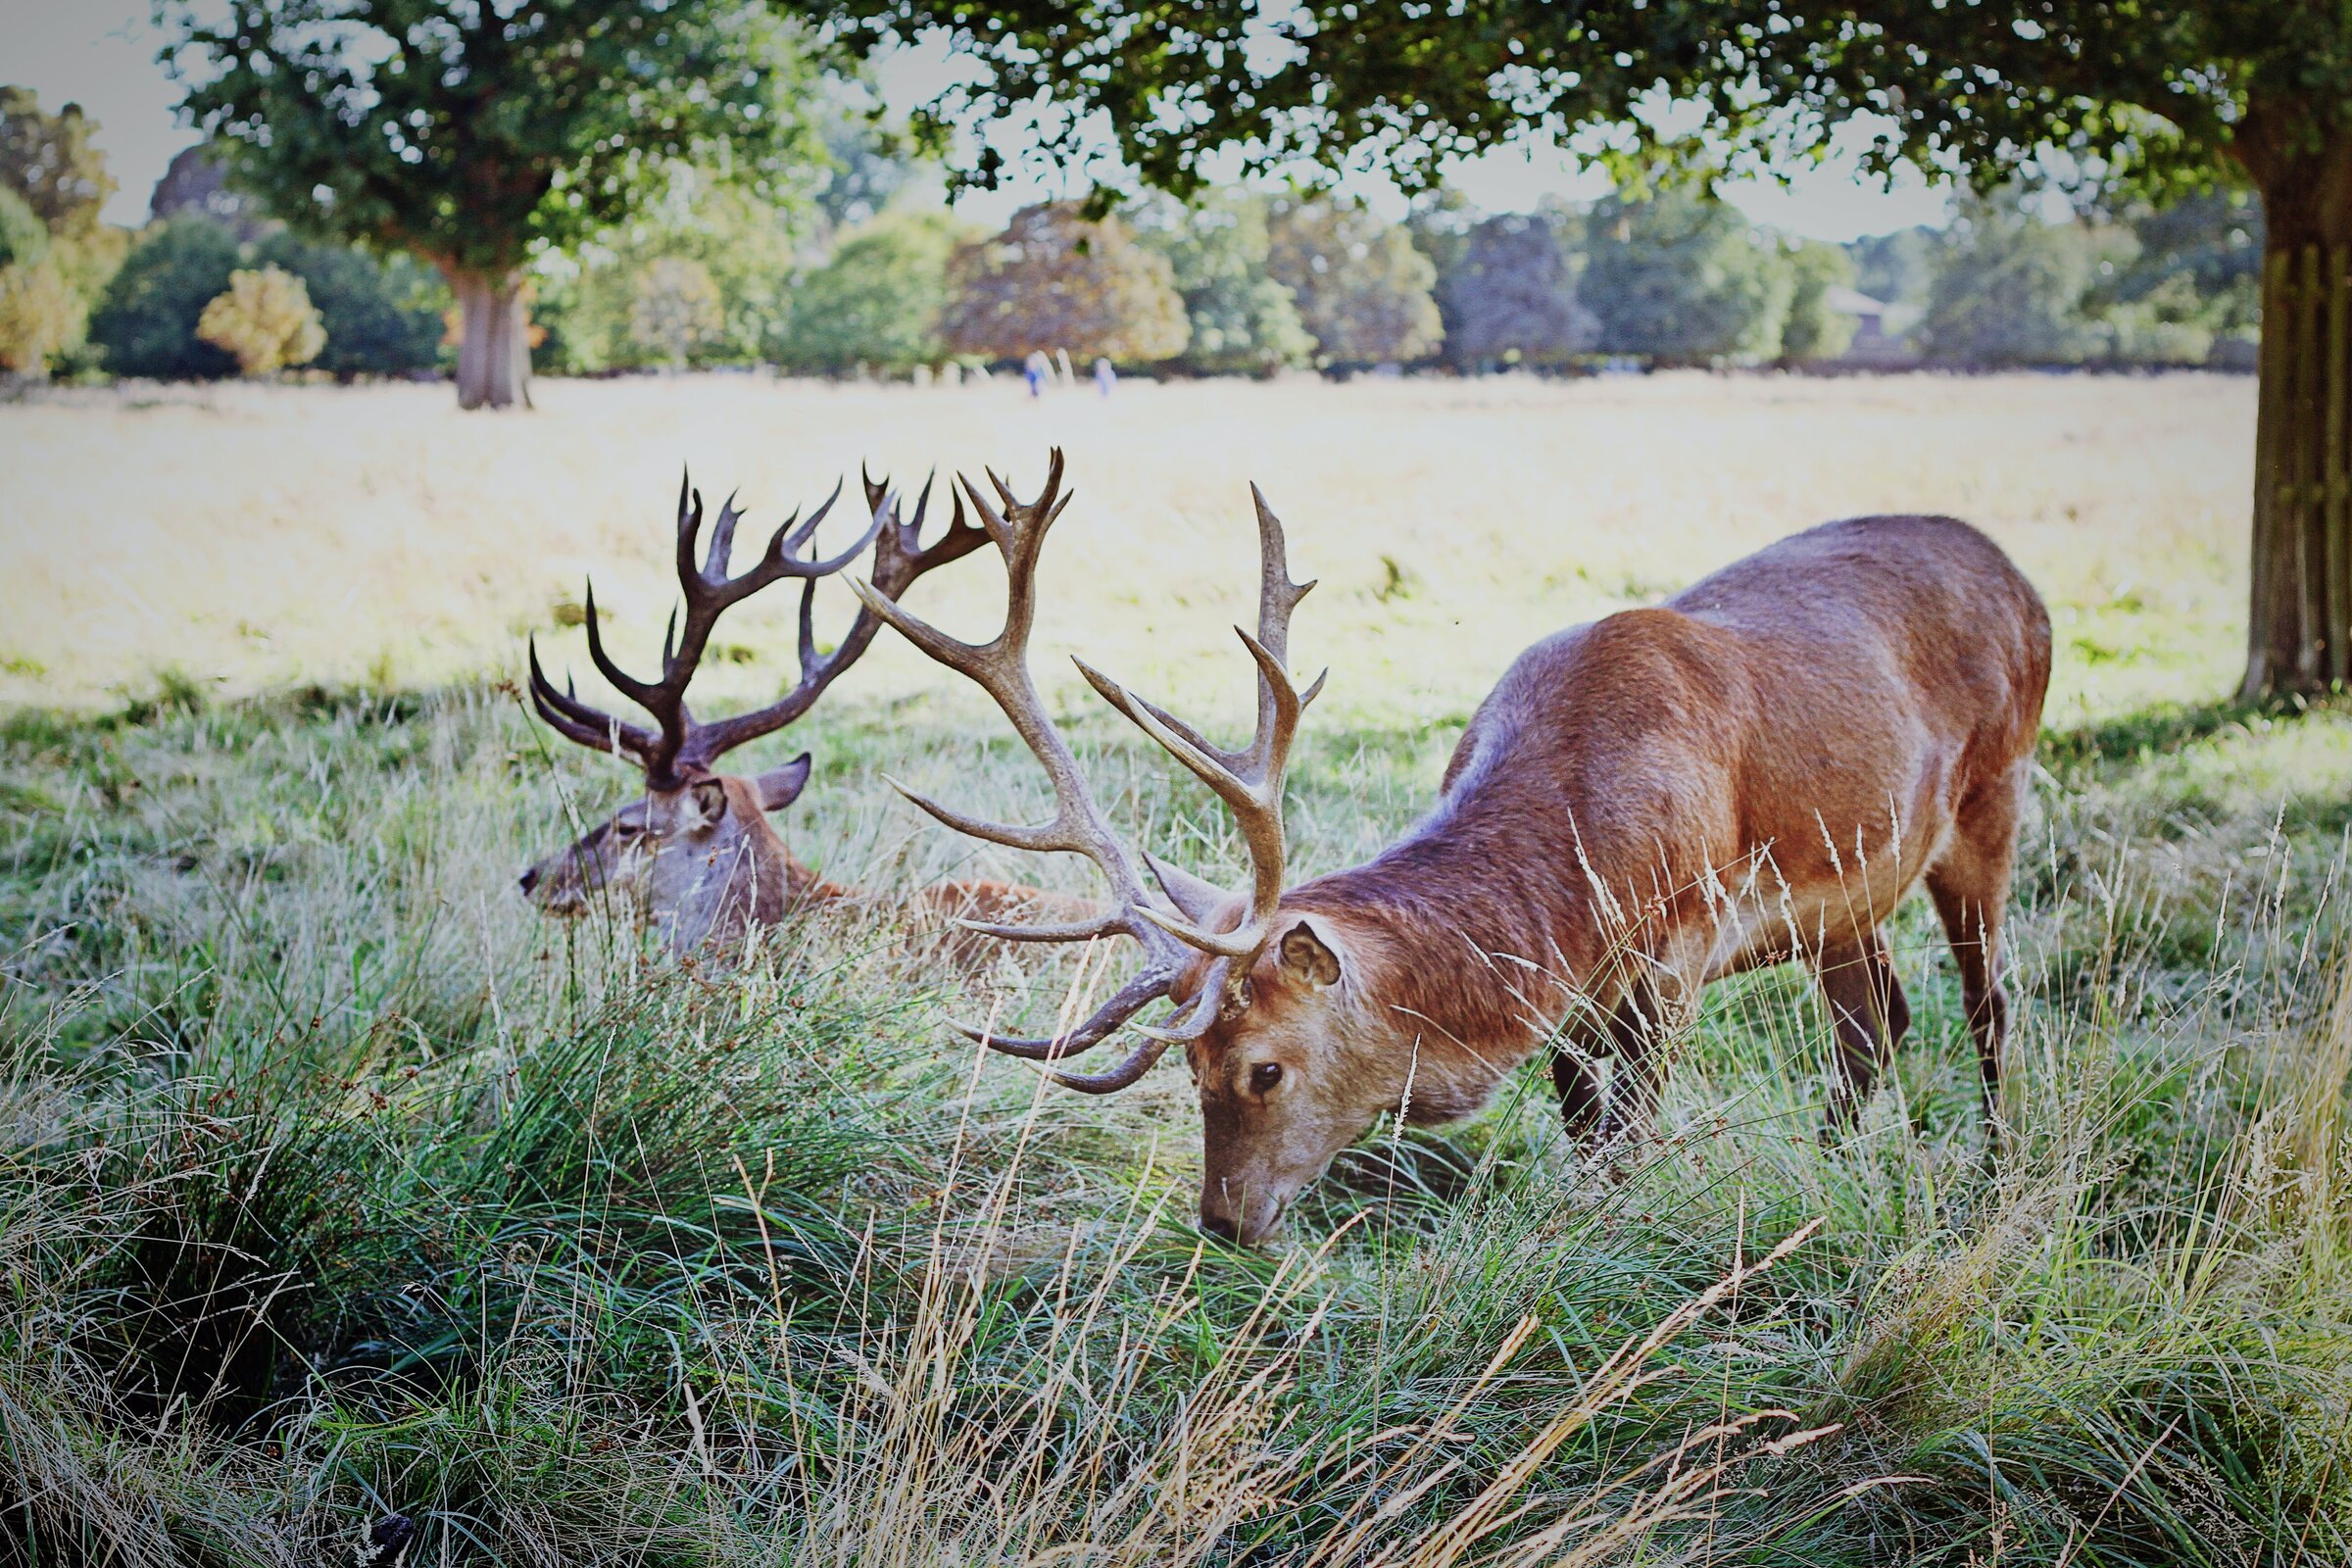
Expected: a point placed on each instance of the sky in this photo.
(101, 55)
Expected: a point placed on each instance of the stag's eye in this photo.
(1266, 1075)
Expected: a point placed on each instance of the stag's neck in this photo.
(753, 883)
(1478, 937)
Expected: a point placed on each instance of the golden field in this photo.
(248, 536)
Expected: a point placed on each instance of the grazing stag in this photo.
(696, 853)
(1754, 771)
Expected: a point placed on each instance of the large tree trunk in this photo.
(2300, 633)
(494, 347)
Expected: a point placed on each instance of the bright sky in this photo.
(101, 55)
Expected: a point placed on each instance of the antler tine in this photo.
(897, 564)
(1191, 1025)
(575, 720)
(1099, 1025)
(1249, 781)
(722, 540)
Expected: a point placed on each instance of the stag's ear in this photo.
(1305, 959)
(780, 787)
(705, 803)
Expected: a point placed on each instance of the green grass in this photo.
(336, 1183)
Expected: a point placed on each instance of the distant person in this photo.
(1105, 376)
(1034, 370)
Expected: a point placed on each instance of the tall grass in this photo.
(335, 1184)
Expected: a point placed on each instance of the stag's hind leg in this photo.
(1870, 1014)
(1970, 885)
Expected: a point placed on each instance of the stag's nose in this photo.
(1220, 1227)
(527, 881)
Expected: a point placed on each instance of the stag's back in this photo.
(1861, 673)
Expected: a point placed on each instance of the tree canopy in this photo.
(1053, 279)
(472, 135)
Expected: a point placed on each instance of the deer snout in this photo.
(1244, 1218)
(528, 880)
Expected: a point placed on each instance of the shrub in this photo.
(382, 315)
(265, 317)
(145, 323)
(38, 316)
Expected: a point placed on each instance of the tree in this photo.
(1243, 321)
(876, 301)
(1681, 278)
(475, 136)
(1896, 268)
(52, 161)
(2010, 288)
(264, 319)
(1506, 293)
(145, 323)
(748, 248)
(1815, 328)
(1054, 280)
(676, 310)
(196, 185)
(2134, 97)
(1363, 290)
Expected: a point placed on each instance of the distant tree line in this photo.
(842, 275)
(1247, 284)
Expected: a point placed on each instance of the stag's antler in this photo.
(680, 748)
(1249, 781)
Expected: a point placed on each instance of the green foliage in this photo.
(383, 315)
(266, 319)
(674, 309)
(52, 161)
(2157, 97)
(1507, 294)
(1680, 278)
(1895, 269)
(1054, 280)
(1243, 321)
(876, 301)
(472, 137)
(145, 323)
(1363, 287)
(2011, 288)
(748, 248)
(24, 237)
(39, 314)
(1814, 329)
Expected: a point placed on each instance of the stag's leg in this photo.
(1578, 1079)
(1871, 1015)
(1635, 1038)
(1970, 885)
(1629, 1036)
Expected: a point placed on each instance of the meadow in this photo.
(334, 1183)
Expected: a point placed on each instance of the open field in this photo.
(333, 1182)
(274, 535)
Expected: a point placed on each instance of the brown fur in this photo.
(1757, 770)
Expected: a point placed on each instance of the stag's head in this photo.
(1264, 997)
(695, 852)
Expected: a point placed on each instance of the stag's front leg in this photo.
(1868, 1009)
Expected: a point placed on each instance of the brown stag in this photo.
(696, 855)
(1755, 771)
